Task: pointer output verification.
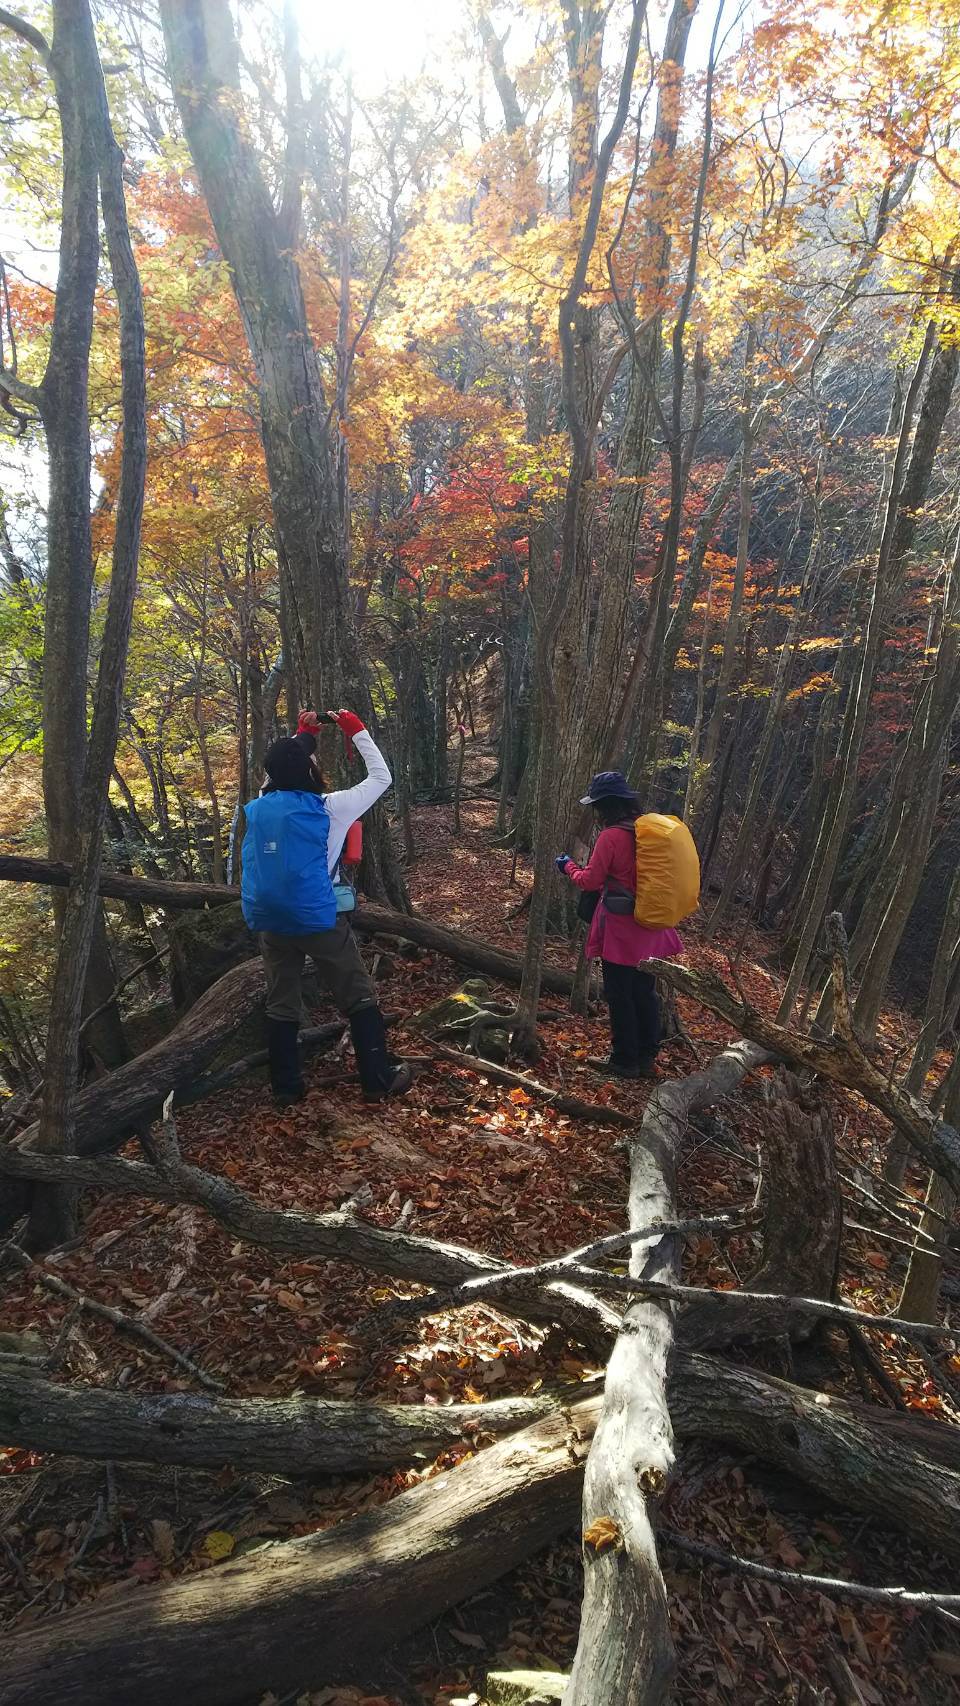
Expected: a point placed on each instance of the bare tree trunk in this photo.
(837, 807)
(906, 835)
(768, 736)
(559, 633)
(696, 731)
(731, 636)
(908, 861)
(935, 1005)
(608, 637)
(944, 365)
(91, 156)
(259, 246)
(216, 820)
(920, 1297)
(440, 733)
(61, 400)
(802, 1220)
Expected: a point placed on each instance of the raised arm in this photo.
(346, 805)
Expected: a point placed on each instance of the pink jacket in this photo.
(614, 936)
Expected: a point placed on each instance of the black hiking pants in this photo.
(631, 995)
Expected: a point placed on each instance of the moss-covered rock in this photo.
(22, 1345)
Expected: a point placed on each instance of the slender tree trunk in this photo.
(908, 861)
(936, 1001)
(216, 818)
(771, 729)
(63, 406)
(441, 774)
(559, 625)
(609, 630)
(731, 637)
(696, 731)
(908, 829)
(944, 365)
(837, 806)
(74, 60)
(920, 1298)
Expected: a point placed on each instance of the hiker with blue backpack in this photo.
(293, 898)
(641, 879)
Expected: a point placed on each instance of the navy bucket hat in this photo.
(609, 785)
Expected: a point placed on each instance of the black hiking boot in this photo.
(283, 1053)
(381, 1074)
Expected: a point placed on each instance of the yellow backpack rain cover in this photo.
(668, 871)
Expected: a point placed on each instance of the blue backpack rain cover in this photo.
(286, 887)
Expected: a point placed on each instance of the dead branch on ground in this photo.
(130, 1324)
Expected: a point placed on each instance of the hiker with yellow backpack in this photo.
(642, 879)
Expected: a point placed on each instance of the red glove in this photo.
(348, 722)
(309, 723)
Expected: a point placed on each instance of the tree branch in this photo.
(334, 1237)
(27, 32)
(116, 1317)
(815, 1584)
(839, 1058)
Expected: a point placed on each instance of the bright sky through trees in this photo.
(384, 40)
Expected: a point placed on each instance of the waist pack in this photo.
(345, 896)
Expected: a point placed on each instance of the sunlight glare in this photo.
(384, 40)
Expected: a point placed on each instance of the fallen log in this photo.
(839, 1058)
(119, 885)
(307, 1611)
(336, 1237)
(210, 1083)
(110, 1108)
(625, 1650)
(564, 1103)
(291, 1436)
(311, 1610)
(368, 920)
(136, 1091)
(870, 1465)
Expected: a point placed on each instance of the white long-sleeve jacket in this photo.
(346, 805)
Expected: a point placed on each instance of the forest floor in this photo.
(479, 1164)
